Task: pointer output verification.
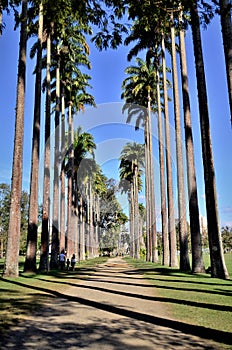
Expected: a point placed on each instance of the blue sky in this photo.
(107, 122)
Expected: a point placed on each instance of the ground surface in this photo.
(111, 307)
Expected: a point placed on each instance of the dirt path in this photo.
(111, 308)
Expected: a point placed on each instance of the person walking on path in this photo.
(62, 260)
(73, 262)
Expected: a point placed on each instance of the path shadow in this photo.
(188, 329)
(147, 297)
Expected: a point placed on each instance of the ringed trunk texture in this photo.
(13, 238)
(62, 178)
(54, 263)
(30, 262)
(70, 207)
(164, 217)
(196, 242)
(44, 253)
(171, 219)
(183, 235)
(218, 267)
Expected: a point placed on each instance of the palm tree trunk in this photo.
(196, 243)
(97, 228)
(30, 262)
(13, 237)
(82, 232)
(148, 191)
(154, 251)
(136, 212)
(183, 235)
(44, 253)
(162, 179)
(62, 177)
(171, 219)
(218, 267)
(87, 247)
(70, 232)
(226, 25)
(132, 221)
(55, 217)
(91, 241)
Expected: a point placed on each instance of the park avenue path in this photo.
(111, 307)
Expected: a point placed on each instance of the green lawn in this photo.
(195, 299)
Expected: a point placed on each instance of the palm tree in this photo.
(55, 204)
(3, 6)
(84, 176)
(70, 203)
(183, 235)
(77, 98)
(83, 144)
(171, 219)
(126, 185)
(150, 30)
(162, 176)
(136, 92)
(44, 253)
(226, 25)
(12, 252)
(196, 244)
(218, 267)
(62, 175)
(30, 262)
(132, 161)
(99, 184)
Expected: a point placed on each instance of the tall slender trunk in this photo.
(62, 177)
(226, 25)
(82, 232)
(148, 199)
(70, 239)
(87, 227)
(171, 218)
(183, 234)
(13, 238)
(44, 252)
(164, 216)
(30, 262)
(91, 231)
(136, 212)
(218, 267)
(54, 263)
(197, 258)
(97, 222)
(132, 222)
(154, 251)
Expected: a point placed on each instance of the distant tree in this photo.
(226, 233)
(4, 215)
(24, 222)
(5, 194)
(132, 162)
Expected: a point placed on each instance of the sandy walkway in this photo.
(112, 308)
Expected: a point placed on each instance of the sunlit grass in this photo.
(195, 299)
